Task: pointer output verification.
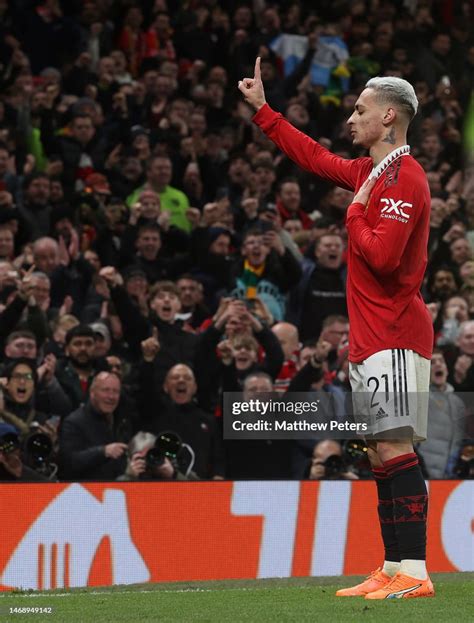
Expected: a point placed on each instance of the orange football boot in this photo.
(403, 587)
(376, 580)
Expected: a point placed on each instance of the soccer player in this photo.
(391, 333)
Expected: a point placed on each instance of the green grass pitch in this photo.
(259, 601)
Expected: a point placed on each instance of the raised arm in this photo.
(307, 153)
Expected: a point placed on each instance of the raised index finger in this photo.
(257, 75)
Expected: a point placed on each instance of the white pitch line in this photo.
(179, 590)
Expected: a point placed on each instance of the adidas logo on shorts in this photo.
(380, 414)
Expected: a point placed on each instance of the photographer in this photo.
(145, 465)
(12, 468)
(36, 431)
(464, 467)
(327, 462)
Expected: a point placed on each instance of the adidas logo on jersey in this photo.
(380, 414)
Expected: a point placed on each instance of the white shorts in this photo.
(390, 392)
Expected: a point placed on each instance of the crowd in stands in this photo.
(156, 250)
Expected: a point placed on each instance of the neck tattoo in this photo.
(377, 171)
(390, 138)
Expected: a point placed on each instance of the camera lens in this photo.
(154, 457)
(39, 447)
(169, 444)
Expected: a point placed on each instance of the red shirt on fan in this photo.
(387, 248)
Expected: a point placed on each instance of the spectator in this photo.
(69, 274)
(268, 270)
(7, 244)
(77, 370)
(93, 440)
(446, 423)
(49, 396)
(149, 257)
(143, 469)
(191, 293)
(231, 360)
(289, 203)
(124, 123)
(288, 337)
(322, 290)
(159, 173)
(442, 284)
(21, 381)
(461, 359)
(335, 331)
(455, 311)
(180, 414)
(12, 468)
(175, 344)
(36, 207)
(323, 466)
(258, 459)
(103, 339)
(82, 150)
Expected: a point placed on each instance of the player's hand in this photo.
(363, 194)
(252, 88)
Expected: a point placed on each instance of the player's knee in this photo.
(389, 449)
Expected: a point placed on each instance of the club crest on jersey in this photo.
(395, 210)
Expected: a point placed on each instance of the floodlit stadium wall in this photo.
(65, 535)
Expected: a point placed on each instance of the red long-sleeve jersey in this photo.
(388, 239)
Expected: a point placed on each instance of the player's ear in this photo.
(389, 116)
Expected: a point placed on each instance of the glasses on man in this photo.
(18, 376)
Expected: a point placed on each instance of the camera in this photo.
(38, 449)
(356, 456)
(167, 445)
(8, 443)
(334, 466)
(354, 459)
(250, 304)
(38, 452)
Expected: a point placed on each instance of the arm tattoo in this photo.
(390, 138)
